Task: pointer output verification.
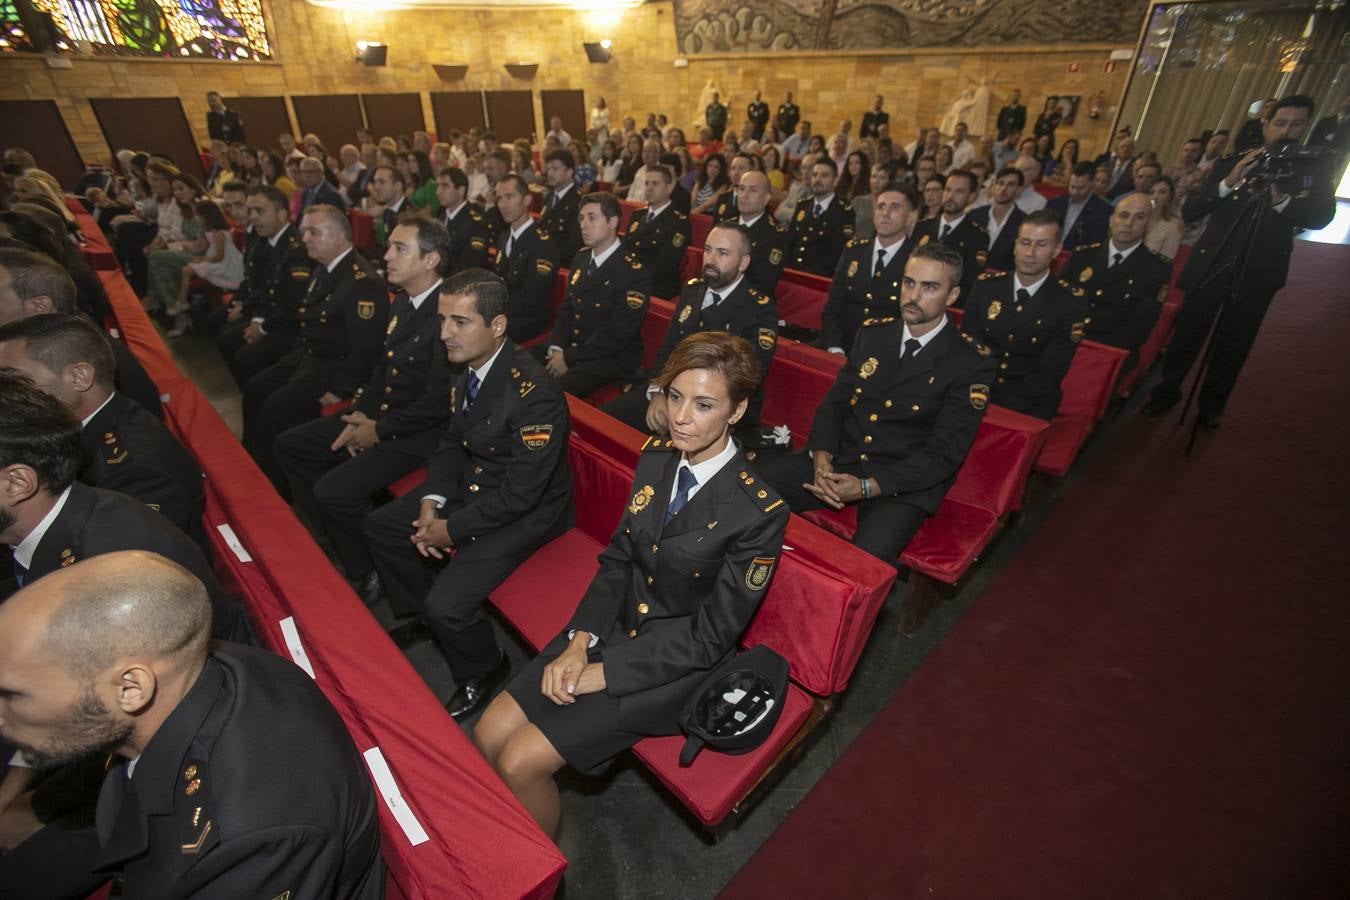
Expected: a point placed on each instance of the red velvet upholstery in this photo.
(363, 232)
(354, 663)
(691, 265)
(699, 226)
(626, 210)
(1087, 391)
(801, 298)
(1049, 191)
(96, 248)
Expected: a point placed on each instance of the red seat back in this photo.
(1091, 378)
(626, 210)
(363, 231)
(699, 226)
(801, 298)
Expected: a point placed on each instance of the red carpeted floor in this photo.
(1153, 699)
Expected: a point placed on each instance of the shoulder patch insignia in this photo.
(635, 299)
(868, 368)
(979, 395)
(981, 257)
(300, 273)
(985, 276)
(882, 320)
(801, 215)
(477, 244)
(1091, 246)
(525, 387)
(1085, 275)
(393, 323)
(1076, 331)
(856, 242)
(678, 239)
(543, 266)
(365, 309)
(68, 558)
(475, 214)
(757, 575)
(853, 268)
(641, 499)
(995, 307)
(633, 262)
(536, 437)
(767, 338)
(656, 442)
(576, 276)
(775, 256)
(976, 345)
(685, 313)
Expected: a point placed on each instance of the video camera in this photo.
(1288, 163)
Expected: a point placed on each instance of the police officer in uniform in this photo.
(268, 323)
(659, 234)
(866, 284)
(389, 189)
(231, 775)
(598, 336)
(726, 209)
(715, 115)
(1031, 321)
(820, 230)
(955, 228)
(497, 489)
(757, 114)
(1125, 282)
(683, 575)
(464, 223)
(125, 448)
(342, 320)
(559, 216)
(769, 239)
(334, 464)
(55, 521)
(788, 116)
(900, 417)
(527, 256)
(722, 300)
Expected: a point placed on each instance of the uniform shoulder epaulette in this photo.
(857, 242)
(693, 281)
(1070, 287)
(1090, 246)
(522, 381)
(656, 442)
(475, 214)
(880, 320)
(757, 295)
(986, 276)
(764, 496)
(976, 345)
(543, 233)
(1157, 255)
(845, 205)
(632, 261)
(780, 227)
(679, 215)
(114, 453)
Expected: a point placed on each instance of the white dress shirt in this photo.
(703, 472)
(24, 550)
(1029, 288)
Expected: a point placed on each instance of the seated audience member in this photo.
(1146, 174)
(264, 328)
(679, 166)
(864, 205)
(657, 235)
(220, 264)
(527, 256)
(465, 228)
(900, 417)
(598, 336)
(1165, 227)
(259, 790)
(1120, 167)
(335, 464)
(822, 226)
(725, 208)
(646, 634)
(32, 285)
(166, 258)
(388, 190)
(769, 240)
(955, 227)
(497, 489)
(1125, 282)
(1082, 211)
(999, 220)
(1030, 199)
(866, 284)
(650, 158)
(711, 184)
(724, 299)
(1031, 321)
(559, 215)
(341, 323)
(315, 189)
(90, 295)
(50, 520)
(124, 447)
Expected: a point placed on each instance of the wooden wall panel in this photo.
(156, 125)
(265, 119)
(457, 109)
(393, 114)
(510, 114)
(570, 106)
(335, 118)
(37, 126)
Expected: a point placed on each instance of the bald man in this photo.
(317, 190)
(230, 774)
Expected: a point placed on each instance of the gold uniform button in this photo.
(632, 632)
(863, 457)
(655, 548)
(649, 579)
(384, 407)
(388, 389)
(887, 404)
(867, 439)
(393, 370)
(873, 416)
(473, 488)
(643, 609)
(389, 355)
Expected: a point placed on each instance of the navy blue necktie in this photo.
(590, 270)
(20, 572)
(471, 389)
(686, 483)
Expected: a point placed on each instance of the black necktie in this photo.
(20, 572)
(819, 210)
(683, 487)
(590, 269)
(881, 264)
(1116, 260)
(912, 346)
(651, 215)
(552, 200)
(946, 230)
(471, 389)
(1023, 296)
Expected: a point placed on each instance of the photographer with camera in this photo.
(1255, 202)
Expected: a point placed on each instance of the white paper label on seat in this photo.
(384, 783)
(232, 541)
(293, 644)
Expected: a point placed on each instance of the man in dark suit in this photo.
(1084, 215)
(757, 114)
(465, 228)
(497, 489)
(245, 784)
(559, 216)
(32, 285)
(388, 188)
(315, 189)
(51, 521)
(598, 336)
(1211, 275)
(999, 221)
(1012, 119)
(722, 300)
(874, 118)
(1120, 165)
(527, 259)
(341, 335)
(1031, 321)
(769, 240)
(788, 116)
(125, 448)
(659, 234)
(866, 284)
(223, 123)
(900, 417)
(955, 228)
(1125, 282)
(335, 464)
(266, 327)
(821, 228)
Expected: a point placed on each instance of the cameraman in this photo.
(1210, 275)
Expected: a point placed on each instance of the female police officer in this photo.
(677, 585)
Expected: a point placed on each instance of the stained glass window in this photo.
(202, 29)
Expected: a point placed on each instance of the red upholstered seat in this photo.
(1049, 191)
(1087, 391)
(699, 226)
(408, 482)
(801, 298)
(540, 596)
(363, 231)
(691, 265)
(1065, 437)
(626, 210)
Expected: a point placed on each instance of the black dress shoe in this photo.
(1209, 420)
(369, 588)
(474, 693)
(1159, 405)
(410, 634)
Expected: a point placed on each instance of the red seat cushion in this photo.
(541, 595)
(699, 226)
(408, 482)
(716, 782)
(801, 298)
(947, 544)
(1063, 440)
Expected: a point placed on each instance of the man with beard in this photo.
(954, 227)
